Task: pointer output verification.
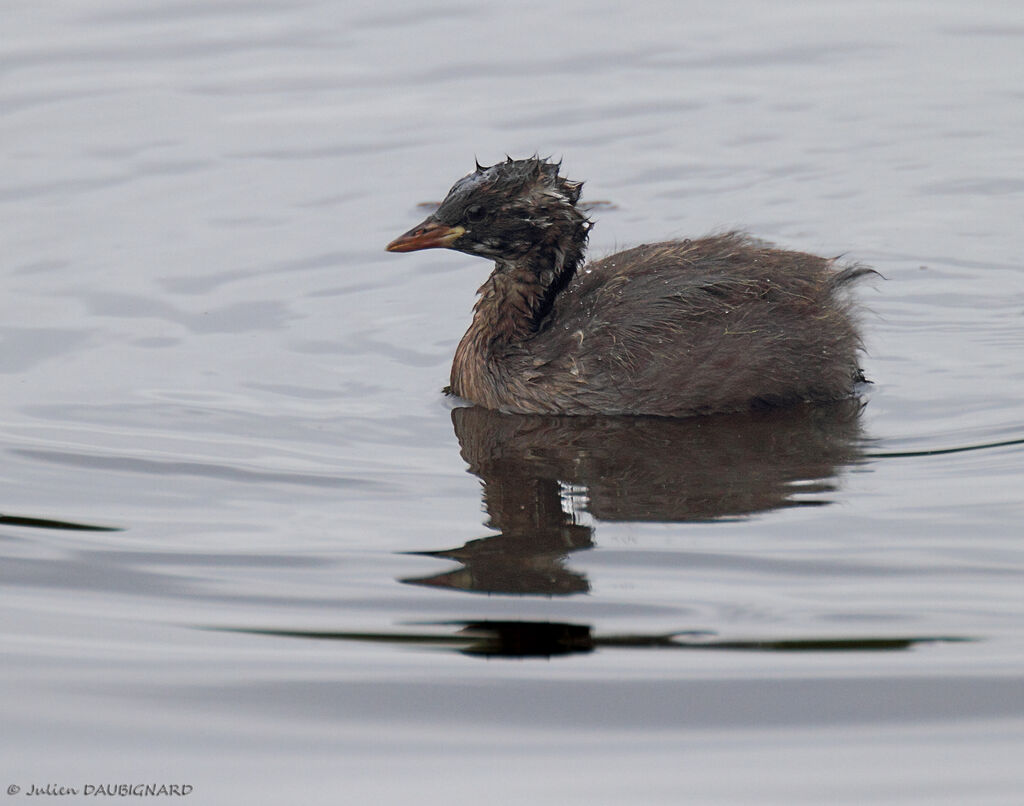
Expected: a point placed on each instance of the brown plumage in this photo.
(722, 323)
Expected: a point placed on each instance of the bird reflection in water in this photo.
(541, 473)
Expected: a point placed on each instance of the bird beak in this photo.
(431, 234)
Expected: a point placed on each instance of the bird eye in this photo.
(475, 214)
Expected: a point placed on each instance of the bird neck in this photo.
(513, 305)
(520, 293)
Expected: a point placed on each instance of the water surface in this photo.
(317, 581)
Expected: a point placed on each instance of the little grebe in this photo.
(722, 323)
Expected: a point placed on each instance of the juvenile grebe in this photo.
(722, 323)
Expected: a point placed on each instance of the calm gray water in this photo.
(329, 587)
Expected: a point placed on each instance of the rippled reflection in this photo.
(542, 475)
(546, 639)
(47, 523)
